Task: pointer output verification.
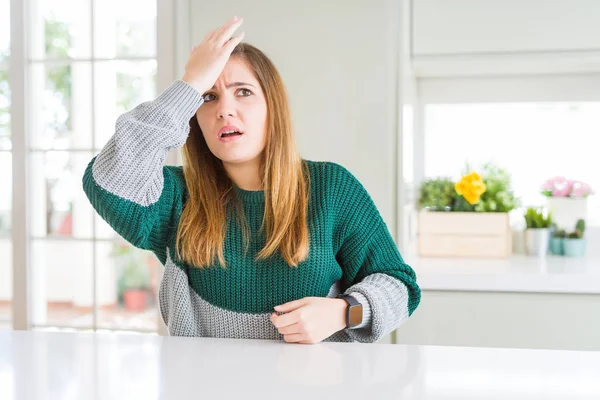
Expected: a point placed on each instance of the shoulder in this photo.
(174, 170)
(329, 170)
(175, 178)
(332, 175)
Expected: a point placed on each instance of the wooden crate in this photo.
(464, 234)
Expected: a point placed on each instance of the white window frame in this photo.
(168, 49)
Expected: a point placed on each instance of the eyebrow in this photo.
(236, 84)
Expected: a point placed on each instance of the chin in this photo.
(237, 158)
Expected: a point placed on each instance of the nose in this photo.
(226, 107)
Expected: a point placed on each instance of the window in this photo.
(5, 171)
(534, 141)
(90, 61)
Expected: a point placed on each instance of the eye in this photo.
(244, 92)
(209, 97)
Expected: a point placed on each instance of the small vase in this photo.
(566, 211)
(537, 241)
(556, 246)
(574, 247)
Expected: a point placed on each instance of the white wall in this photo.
(339, 61)
(489, 37)
(444, 27)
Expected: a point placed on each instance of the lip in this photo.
(229, 128)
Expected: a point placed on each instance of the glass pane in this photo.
(5, 282)
(58, 204)
(5, 143)
(62, 283)
(61, 103)
(60, 29)
(126, 282)
(5, 241)
(533, 141)
(119, 87)
(5, 194)
(4, 30)
(125, 28)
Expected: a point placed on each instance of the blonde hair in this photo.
(202, 227)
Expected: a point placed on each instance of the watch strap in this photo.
(354, 311)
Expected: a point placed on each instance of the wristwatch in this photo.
(354, 311)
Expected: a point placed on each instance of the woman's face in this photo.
(233, 116)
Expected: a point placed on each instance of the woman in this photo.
(256, 242)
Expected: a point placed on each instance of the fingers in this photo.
(292, 305)
(294, 338)
(291, 329)
(234, 41)
(223, 35)
(212, 33)
(226, 32)
(284, 320)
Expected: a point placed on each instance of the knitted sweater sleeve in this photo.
(374, 272)
(126, 182)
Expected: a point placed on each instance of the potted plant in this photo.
(437, 194)
(575, 243)
(557, 241)
(134, 276)
(498, 195)
(136, 282)
(475, 222)
(567, 199)
(537, 233)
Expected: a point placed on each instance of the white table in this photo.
(43, 365)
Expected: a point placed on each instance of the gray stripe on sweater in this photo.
(131, 163)
(186, 314)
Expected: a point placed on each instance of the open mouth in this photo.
(230, 133)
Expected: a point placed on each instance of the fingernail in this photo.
(278, 308)
(235, 18)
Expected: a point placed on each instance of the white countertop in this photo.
(43, 365)
(550, 274)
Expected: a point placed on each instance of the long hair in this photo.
(285, 180)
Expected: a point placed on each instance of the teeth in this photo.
(229, 131)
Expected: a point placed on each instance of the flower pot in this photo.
(574, 247)
(566, 211)
(536, 241)
(135, 300)
(556, 246)
(464, 234)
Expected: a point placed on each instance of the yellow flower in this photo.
(471, 187)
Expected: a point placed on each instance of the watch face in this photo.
(356, 313)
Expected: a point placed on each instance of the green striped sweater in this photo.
(351, 249)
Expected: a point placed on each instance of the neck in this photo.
(245, 175)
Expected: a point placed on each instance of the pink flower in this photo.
(582, 190)
(559, 186)
(548, 185)
(587, 189)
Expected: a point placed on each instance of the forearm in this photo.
(385, 306)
